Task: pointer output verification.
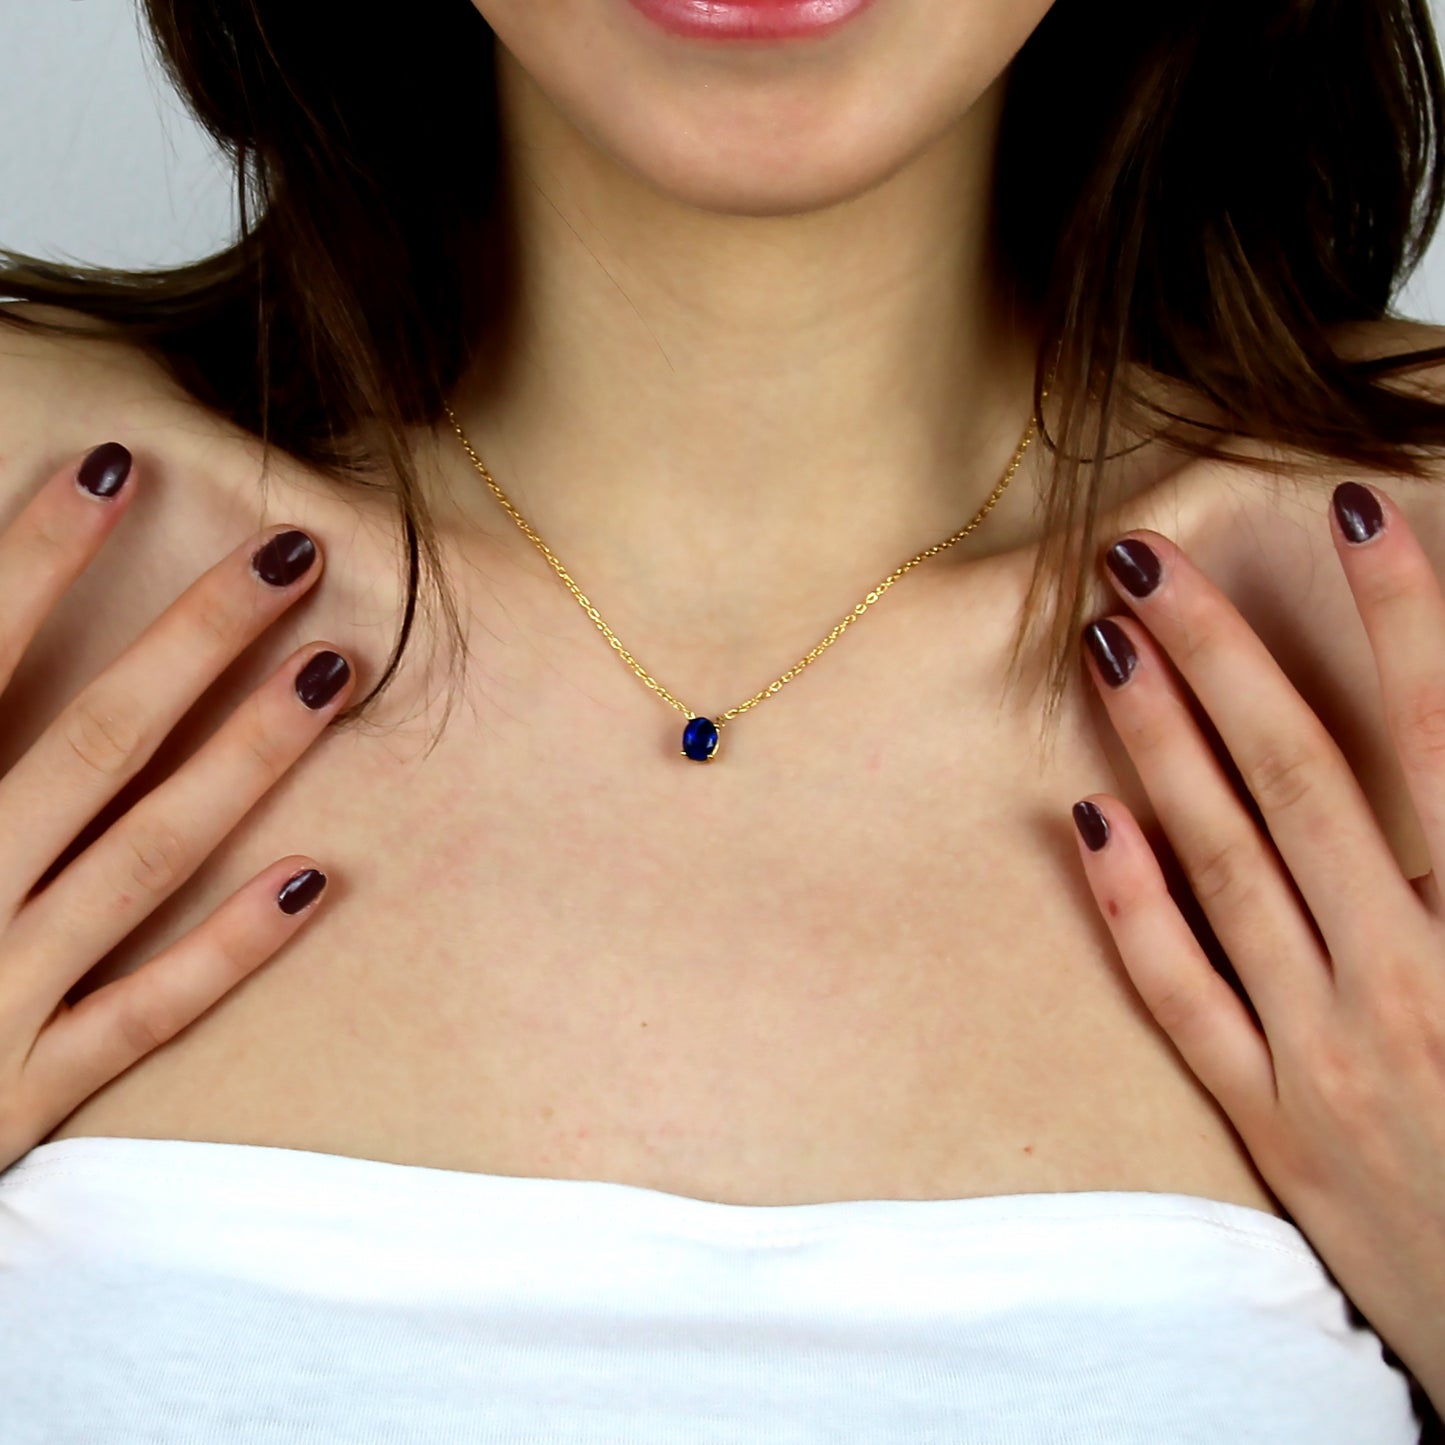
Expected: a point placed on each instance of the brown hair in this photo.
(1198, 189)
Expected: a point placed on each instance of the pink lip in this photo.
(749, 19)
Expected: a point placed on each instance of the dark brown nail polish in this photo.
(104, 471)
(1136, 565)
(1358, 511)
(321, 679)
(300, 889)
(1093, 826)
(1112, 651)
(284, 558)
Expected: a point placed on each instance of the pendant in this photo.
(700, 740)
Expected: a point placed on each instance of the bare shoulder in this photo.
(203, 486)
(1267, 543)
(1422, 499)
(64, 392)
(50, 378)
(1392, 336)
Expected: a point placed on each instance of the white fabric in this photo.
(167, 1291)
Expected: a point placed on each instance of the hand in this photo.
(54, 1055)
(1338, 1092)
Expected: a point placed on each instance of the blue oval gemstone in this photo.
(699, 739)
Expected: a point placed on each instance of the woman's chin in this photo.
(738, 183)
(770, 133)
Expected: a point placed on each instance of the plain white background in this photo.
(100, 162)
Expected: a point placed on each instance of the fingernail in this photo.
(284, 558)
(1112, 650)
(321, 679)
(1093, 826)
(300, 889)
(1136, 565)
(1358, 511)
(104, 471)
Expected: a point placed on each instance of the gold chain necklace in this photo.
(701, 735)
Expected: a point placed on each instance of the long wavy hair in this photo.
(1199, 190)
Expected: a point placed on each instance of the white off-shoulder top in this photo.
(163, 1291)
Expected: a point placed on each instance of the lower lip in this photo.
(750, 19)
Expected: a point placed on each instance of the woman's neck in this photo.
(712, 416)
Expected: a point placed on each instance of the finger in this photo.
(1427, 890)
(155, 847)
(52, 541)
(1202, 1015)
(106, 734)
(1399, 600)
(1317, 815)
(1232, 868)
(97, 1039)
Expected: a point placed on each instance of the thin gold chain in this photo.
(720, 719)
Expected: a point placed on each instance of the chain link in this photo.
(719, 720)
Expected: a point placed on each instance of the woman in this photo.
(843, 1090)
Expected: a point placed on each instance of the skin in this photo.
(758, 284)
(1335, 1085)
(857, 957)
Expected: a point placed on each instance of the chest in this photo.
(853, 957)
